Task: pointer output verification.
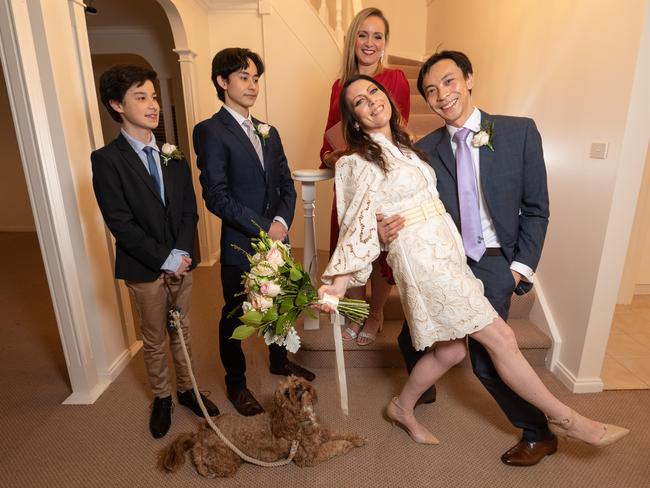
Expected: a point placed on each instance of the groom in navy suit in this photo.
(245, 178)
(508, 185)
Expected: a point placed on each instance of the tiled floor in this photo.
(627, 360)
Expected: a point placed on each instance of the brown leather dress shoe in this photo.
(290, 368)
(245, 402)
(526, 453)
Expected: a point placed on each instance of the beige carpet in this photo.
(108, 444)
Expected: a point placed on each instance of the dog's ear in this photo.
(309, 389)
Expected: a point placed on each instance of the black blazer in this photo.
(145, 230)
(235, 186)
(513, 180)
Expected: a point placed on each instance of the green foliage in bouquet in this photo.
(277, 291)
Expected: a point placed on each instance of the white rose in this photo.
(270, 289)
(168, 148)
(246, 306)
(260, 302)
(292, 341)
(480, 139)
(264, 268)
(264, 129)
(274, 256)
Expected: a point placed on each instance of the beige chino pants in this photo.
(152, 301)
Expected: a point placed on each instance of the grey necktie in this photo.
(255, 139)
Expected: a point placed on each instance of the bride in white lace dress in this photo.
(442, 300)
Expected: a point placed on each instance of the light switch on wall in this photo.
(598, 150)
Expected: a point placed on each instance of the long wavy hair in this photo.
(360, 142)
(350, 65)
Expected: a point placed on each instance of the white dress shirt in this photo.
(473, 123)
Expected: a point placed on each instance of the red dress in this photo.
(397, 85)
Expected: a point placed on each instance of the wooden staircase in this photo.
(317, 349)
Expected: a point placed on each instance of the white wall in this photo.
(15, 209)
(570, 66)
(301, 62)
(408, 26)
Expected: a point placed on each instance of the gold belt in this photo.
(423, 211)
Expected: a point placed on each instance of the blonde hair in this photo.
(350, 67)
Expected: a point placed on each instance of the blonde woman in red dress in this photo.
(363, 53)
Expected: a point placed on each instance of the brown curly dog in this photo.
(266, 437)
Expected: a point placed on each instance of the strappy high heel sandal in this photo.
(397, 414)
(349, 334)
(366, 338)
(562, 428)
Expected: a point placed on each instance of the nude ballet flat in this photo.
(397, 414)
(611, 433)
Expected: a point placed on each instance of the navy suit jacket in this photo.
(235, 186)
(145, 229)
(513, 180)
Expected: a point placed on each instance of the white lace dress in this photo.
(442, 299)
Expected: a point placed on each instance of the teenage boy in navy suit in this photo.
(245, 178)
(150, 209)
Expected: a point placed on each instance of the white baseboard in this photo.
(576, 385)
(642, 289)
(87, 398)
(106, 377)
(120, 363)
(541, 316)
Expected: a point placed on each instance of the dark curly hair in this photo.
(116, 81)
(360, 142)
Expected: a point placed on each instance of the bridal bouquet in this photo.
(277, 292)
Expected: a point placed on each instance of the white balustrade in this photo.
(308, 179)
(338, 30)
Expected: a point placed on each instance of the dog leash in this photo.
(175, 326)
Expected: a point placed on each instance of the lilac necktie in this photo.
(470, 218)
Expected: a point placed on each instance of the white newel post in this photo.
(308, 179)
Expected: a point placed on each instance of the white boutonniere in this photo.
(169, 151)
(484, 136)
(264, 131)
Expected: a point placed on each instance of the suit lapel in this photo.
(486, 161)
(168, 181)
(135, 163)
(446, 154)
(237, 131)
(265, 150)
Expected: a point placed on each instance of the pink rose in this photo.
(274, 257)
(270, 289)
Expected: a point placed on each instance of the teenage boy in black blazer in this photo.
(245, 178)
(148, 203)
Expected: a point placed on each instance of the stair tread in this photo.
(528, 337)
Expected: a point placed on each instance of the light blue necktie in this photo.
(470, 217)
(153, 169)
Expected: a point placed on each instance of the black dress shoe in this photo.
(427, 397)
(245, 402)
(189, 400)
(289, 368)
(527, 453)
(161, 416)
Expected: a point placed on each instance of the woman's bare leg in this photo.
(435, 363)
(501, 343)
(380, 290)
